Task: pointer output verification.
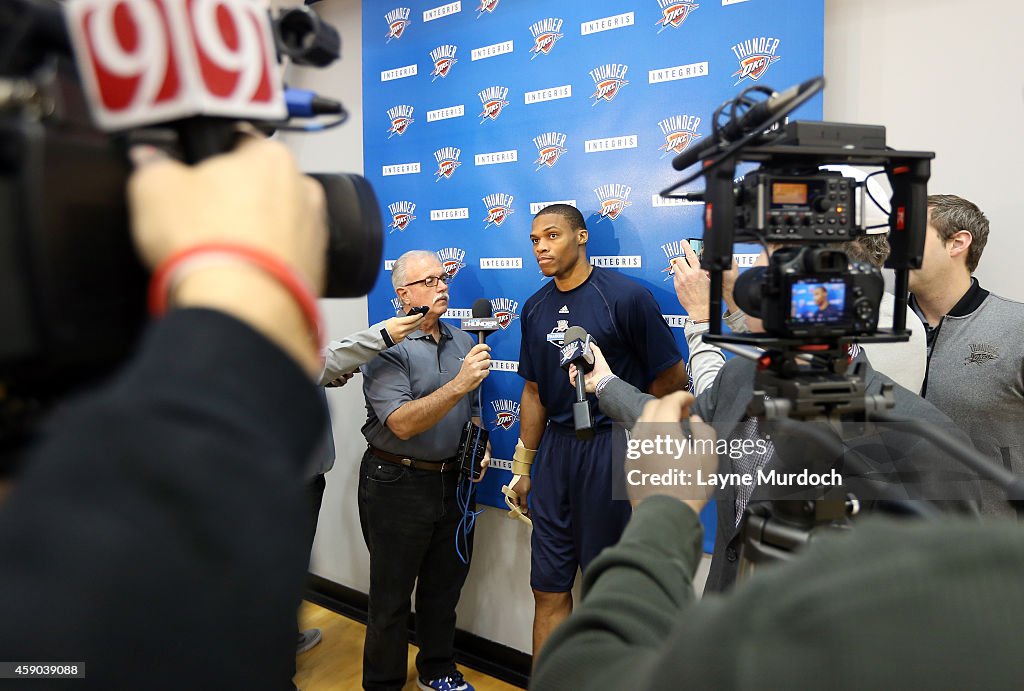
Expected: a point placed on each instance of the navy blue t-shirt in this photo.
(621, 316)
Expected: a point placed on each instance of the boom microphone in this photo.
(754, 119)
(482, 322)
(576, 351)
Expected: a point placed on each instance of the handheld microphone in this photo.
(754, 119)
(576, 351)
(473, 443)
(482, 322)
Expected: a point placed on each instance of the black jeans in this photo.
(409, 519)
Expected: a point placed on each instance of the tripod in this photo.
(794, 388)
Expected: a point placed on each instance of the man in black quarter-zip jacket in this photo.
(975, 351)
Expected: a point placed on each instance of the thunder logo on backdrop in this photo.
(614, 198)
(447, 161)
(398, 22)
(674, 13)
(400, 118)
(608, 81)
(453, 260)
(401, 215)
(506, 413)
(680, 131)
(546, 33)
(444, 59)
(672, 250)
(486, 6)
(755, 56)
(504, 310)
(550, 147)
(494, 100)
(499, 208)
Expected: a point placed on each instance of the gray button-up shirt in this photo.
(414, 369)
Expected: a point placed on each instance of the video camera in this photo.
(813, 300)
(80, 83)
(815, 304)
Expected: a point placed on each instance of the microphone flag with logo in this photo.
(482, 322)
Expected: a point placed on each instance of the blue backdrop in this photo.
(477, 114)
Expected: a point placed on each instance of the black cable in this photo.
(750, 238)
(881, 208)
(314, 126)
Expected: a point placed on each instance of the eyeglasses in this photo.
(431, 281)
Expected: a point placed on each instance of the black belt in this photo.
(434, 466)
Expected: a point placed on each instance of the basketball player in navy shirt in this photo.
(574, 516)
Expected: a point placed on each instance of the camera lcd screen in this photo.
(789, 193)
(697, 245)
(817, 302)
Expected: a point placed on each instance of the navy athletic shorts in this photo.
(574, 516)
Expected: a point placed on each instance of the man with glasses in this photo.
(419, 396)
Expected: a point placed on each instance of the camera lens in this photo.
(749, 289)
(355, 235)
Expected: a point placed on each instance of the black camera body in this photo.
(73, 288)
(812, 293)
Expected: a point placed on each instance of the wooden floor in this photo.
(337, 662)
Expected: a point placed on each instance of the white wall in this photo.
(941, 75)
(496, 603)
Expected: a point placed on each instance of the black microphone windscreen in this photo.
(482, 308)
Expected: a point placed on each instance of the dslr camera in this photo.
(813, 300)
(812, 293)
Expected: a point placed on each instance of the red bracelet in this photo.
(160, 283)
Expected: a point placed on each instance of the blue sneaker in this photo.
(451, 682)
